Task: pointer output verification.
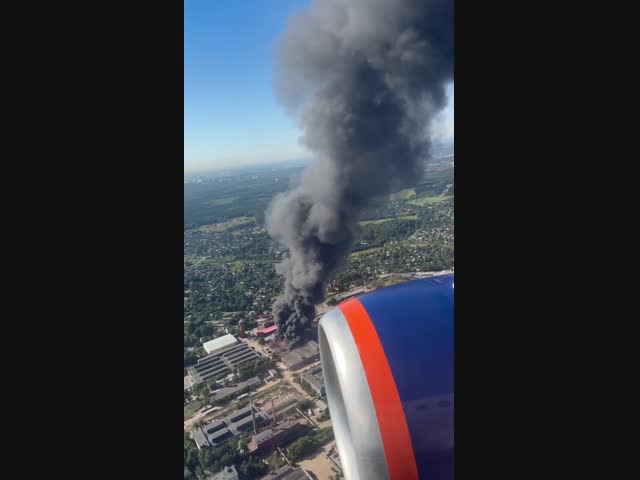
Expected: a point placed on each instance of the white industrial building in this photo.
(212, 346)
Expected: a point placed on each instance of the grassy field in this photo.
(365, 252)
(222, 201)
(191, 409)
(237, 264)
(405, 194)
(383, 220)
(231, 261)
(220, 227)
(202, 260)
(429, 200)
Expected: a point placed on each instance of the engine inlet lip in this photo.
(353, 416)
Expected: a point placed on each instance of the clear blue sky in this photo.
(231, 116)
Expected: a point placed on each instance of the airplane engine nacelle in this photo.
(387, 359)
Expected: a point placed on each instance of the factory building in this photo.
(286, 473)
(301, 356)
(265, 442)
(240, 421)
(222, 362)
(287, 405)
(225, 393)
(314, 380)
(227, 473)
(212, 346)
(265, 332)
(219, 431)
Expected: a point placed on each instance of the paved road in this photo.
(288, 376)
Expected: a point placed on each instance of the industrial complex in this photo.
(225, 357)
(267, 412)
(244, 420)
(219, 431)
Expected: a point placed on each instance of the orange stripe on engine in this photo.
(397, 444)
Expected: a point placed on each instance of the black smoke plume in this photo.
(365, 79)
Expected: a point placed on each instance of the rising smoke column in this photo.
(364, 78)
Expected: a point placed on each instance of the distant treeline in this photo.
(229, 197)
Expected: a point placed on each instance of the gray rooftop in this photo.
(226, 392)
(200, 438)
(221, 430)
(227, 473)
(305, 352)
(315, 378)
(262, 436)
(285, 473)
(222, 362)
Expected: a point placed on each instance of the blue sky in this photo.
(231, 116)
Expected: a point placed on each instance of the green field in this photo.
(222, 201)
(231, 261)
(222, 226)
(193, 261)
(237, 264)
(405, 194)
(364, 252)
(191, 409)
(383, 220)
(429, 200)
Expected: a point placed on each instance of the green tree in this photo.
(253, 468)
(228, 458)
(243, 442)
(301, 447)
(200, 389)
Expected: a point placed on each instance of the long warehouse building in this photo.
(218, 432)
(223, 362)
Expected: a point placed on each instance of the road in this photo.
(288, 376)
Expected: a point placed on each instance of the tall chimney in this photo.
(273, 409)
(253, 417)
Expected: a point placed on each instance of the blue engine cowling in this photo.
(387, 359)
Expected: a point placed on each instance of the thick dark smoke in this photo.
(365, 78)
